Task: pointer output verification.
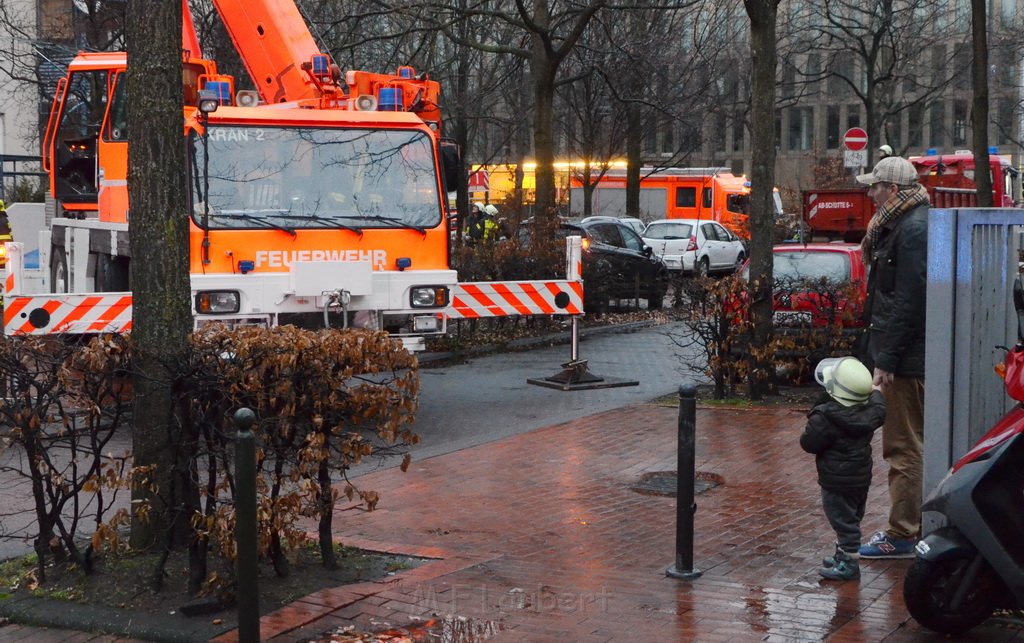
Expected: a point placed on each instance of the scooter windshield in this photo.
(296, 178)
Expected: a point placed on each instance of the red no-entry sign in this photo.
(855, 139)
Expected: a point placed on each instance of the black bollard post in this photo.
(245, 528)
(686, 468)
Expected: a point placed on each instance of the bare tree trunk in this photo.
(979, 103)
(634, 159)
(325, 501)
(543, 72)
(763, 14)
(162, 319)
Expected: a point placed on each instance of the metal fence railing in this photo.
(973, 257)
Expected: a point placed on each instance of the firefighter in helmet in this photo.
(491, 231)
(474, 229)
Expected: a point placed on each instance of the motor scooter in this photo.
(974, 564)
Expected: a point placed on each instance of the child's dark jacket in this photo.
(840, 438)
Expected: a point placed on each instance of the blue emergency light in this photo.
(222, 89)
(389, 99)
(321, 65)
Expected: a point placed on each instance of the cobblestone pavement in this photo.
(540, 537)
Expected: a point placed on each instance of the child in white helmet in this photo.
(838, 433)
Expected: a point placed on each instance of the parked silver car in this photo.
(699, 246)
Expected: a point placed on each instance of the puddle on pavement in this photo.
(450, 629)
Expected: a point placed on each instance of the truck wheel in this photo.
(931, 584)
(60, 279)
(111, 273)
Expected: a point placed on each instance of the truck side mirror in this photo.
(451, 163)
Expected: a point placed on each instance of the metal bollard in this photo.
(686, 468)
(245, 528)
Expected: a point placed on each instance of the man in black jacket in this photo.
(896, 249)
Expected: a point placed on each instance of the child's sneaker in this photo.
(882, 545)
(830, 561)
(844, 566)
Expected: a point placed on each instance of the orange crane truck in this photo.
(317, 199)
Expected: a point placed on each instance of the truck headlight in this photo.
(217, 302)
(429, 297)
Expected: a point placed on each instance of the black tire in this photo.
(740, 258)
(60, 279)
(703, 267)
(930, 586)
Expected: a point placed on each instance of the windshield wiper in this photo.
(329, 219)
(400, 222)
(256, 217)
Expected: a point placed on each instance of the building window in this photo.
(962, 77)
(832, 128)
(1008, 12)
(852, 116)
(718, 133)
(1004, 121)
(936, 125)
(915, 121)
(668, 144)
(894, 129)
(959, 122)
(737, 134)
(801, 128)
(813, 72)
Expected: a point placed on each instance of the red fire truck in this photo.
(949, 178)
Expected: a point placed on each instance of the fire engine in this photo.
(676, 193)
(949, 178)
(319, 195)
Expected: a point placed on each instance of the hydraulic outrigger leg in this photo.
(575, 375)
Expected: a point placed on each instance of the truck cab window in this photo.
(77, 130)
(117, 125)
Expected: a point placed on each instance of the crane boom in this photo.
(274, 43)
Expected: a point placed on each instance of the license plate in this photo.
(792, 317)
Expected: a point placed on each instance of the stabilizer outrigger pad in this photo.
(575, 376)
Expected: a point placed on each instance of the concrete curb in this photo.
(527, 343)
(67, 615)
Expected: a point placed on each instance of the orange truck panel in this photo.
(674, 193)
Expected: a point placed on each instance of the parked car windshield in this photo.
(798, 265)
(316, 178)
(668, 231)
